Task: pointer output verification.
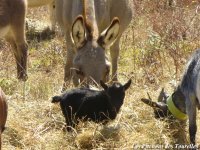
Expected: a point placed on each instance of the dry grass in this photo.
(34, 123)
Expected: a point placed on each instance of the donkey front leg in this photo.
(192, 128)
(114, 52)
(69, 60)
(191, 109)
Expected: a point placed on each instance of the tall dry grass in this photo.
(154, 50)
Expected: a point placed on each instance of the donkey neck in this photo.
(179, 100)
(90, 19)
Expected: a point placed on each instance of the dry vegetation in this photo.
(154, 51)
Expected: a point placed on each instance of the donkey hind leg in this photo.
(22, 59)
(20, 52)
(21, 71)
(114, 52)
(191, 110)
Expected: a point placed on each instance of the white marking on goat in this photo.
(4, 31)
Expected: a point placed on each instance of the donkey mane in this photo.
(90, 19)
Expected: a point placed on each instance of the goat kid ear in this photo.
(151, 103)
(78, 32)
(127, 85)
(109, 35)
(103, 85)
(162, 96)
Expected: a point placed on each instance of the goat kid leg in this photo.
(69, 122)
(114, 52)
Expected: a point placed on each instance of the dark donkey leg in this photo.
(19, 42)
(191, 109)
(192, 127)
(114, 52)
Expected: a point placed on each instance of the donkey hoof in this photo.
(23, 77)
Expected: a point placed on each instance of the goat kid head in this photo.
(168, 106)
(160, 107)
(116, 90)
(90, 61)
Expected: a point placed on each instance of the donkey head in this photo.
(90, 61)
(160, 108)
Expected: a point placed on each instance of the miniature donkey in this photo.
(3, 112)
(87, 104)
(12, 27)
(185, 100)
(91, 28)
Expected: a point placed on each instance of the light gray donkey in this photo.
(185, 100)
(91, 27)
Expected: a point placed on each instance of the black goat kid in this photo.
(87, 104)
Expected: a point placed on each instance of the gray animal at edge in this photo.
(12, 28)
(87, 104)
(92, 27)
(186, 97)
(3, 113)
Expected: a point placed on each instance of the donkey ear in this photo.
(127, 85)
(104, 86)
(78, 32)
(109, 35)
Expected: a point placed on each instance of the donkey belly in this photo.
(4, 31)
(37, 3)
